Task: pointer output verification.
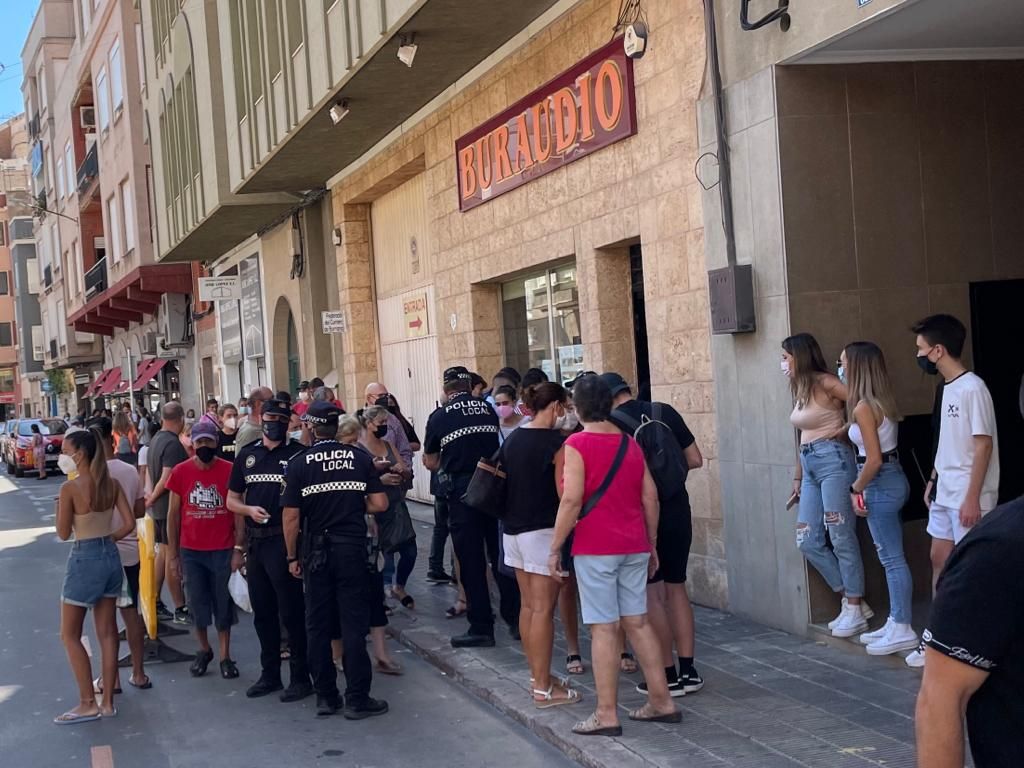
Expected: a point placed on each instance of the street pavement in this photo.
(188, 723)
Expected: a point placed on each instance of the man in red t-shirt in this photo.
(205, 544)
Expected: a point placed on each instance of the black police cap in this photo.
(322, 412)
(457, 373)
(277, 407)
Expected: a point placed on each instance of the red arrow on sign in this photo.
(416, 324)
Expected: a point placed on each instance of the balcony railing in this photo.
(88, 170)
(33, 127)
(96, 279)
(47, 276)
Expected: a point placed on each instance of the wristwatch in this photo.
(292, 560)
(855, 492)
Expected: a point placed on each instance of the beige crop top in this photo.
(92, 525)
(816, 421)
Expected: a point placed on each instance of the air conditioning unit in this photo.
(172, 320)
(149, 343)
(87, 118)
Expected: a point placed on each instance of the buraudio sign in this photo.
(587, 108)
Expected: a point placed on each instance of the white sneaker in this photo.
(869, 637)
(865, 610)
(851, 622)
(898, 637)
(916, 659)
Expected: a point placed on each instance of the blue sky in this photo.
(16, 17)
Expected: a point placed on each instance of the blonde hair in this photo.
(867, 380)
(348, 426)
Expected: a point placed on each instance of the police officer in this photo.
(459, 434)
(254, 492)
(329, 489)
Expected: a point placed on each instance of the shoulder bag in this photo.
(595, 498)
(488, 489)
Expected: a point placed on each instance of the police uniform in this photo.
(462, 431)
(328, 484)
(258, 476)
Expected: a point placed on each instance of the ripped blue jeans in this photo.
(829, 469)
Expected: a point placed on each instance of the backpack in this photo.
(664, 456)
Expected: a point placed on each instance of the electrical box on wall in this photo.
(731, 294)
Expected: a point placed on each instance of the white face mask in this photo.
(303, 396)
(66, 464)
(785, 367)
(230, 422)
(296, 435)
(567, 422)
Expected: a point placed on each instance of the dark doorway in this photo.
(997, 327)
(643, 360)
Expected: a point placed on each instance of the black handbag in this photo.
(593, 501)
(396, 528)
(488, 488)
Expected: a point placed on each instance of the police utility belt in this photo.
(264, 532)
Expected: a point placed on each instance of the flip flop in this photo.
(592, 727)
(574, 664)
(113, 713)
(670, 717)
(141, 686)
(97, 687)
(454, 612)
(71, 718)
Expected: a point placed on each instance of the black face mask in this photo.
(382, 401)
(275, 431)
(380, 431)
(927, 365)
(206, 454)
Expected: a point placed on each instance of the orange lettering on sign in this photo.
(484, 156)
(541, 131)
(467, 172)
(586, 107)
(566, 119)
(609, 95)
(524, 159)
(501, 158)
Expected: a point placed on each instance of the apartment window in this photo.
(62, 327)
(5, 283)
(38, 343)
(116, 78)
(60, 179)
(77, 268)
(102, 99)
(140, 53)
(293, 18)
(128, 215)
(32, 270)
(6, 380)
(113, 229)
(6, 335)
(3, 233)
(69, 164)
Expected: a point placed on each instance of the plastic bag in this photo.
(239, 589)
(125, 600)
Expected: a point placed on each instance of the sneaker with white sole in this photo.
(865, 610)
(852, 622)
(869, 637)
(916, 659)
(899, 637)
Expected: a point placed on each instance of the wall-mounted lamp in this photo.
(407, 49)
(339, 110)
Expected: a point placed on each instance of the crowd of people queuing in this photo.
(595, 520)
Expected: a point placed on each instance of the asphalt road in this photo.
(187, 723)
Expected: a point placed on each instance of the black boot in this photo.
(364, 709)
(298, 689)
(264, 687)
(326, 706)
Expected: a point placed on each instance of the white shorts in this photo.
(529, 551)
(944, 523)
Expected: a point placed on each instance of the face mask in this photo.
(927, 365)
(382, 401)
(303, 396)
(567, 422)
(296, 435)
(206, 454)
(66, 464)
(504, 411)
(230, 422)
(243, 411)
(275, 431)
(380, 431)
(785, 367)
(841, 373)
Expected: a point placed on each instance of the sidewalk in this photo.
(771, 700)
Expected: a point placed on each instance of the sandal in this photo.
(389, 668)
(228, 669)
(408, 602)
(574, 664)
(145, 685)
(547, 699)
(72, 718)
(592, 727)
(645, 715)
(627, 663)
(455, 611)
(97, 687)
(203, 659)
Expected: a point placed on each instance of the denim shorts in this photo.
(206, 575)
(93, 572)
(612, 586)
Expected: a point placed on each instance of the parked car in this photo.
(20, 458)
(7, 438)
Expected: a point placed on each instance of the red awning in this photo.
(148, 369)
(93, 389)
(110, 383)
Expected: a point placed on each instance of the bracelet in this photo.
(855, 492)
(239, 548)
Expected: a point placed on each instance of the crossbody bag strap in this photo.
(593, 501)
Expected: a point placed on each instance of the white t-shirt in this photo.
(127, 477)
(967, 411)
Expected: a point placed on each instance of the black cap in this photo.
(278, 407)
(322, 412)
(615, 382)
(456, 373)
(572, 382)
(303, 385)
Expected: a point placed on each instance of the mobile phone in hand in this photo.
(792, 501)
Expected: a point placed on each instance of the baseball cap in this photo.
(615, 382)
(203, 428)
(322, 412)
(277, 407)
(456, 373)
(303, 385)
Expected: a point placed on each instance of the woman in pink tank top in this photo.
(613, 554)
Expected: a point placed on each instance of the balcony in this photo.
(88, 176)
(96, 279)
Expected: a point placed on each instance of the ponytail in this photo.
(89, 442)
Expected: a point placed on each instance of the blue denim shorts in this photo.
(93, 572)
(611, 586)
(206, 574)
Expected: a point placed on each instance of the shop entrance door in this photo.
(643, 360)
(406, 320)
(997, 326)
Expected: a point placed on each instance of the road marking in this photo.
(102, 757)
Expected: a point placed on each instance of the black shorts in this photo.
(131, 572)
(675, 535)
(160, 530)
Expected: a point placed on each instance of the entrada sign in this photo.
(585, 109)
